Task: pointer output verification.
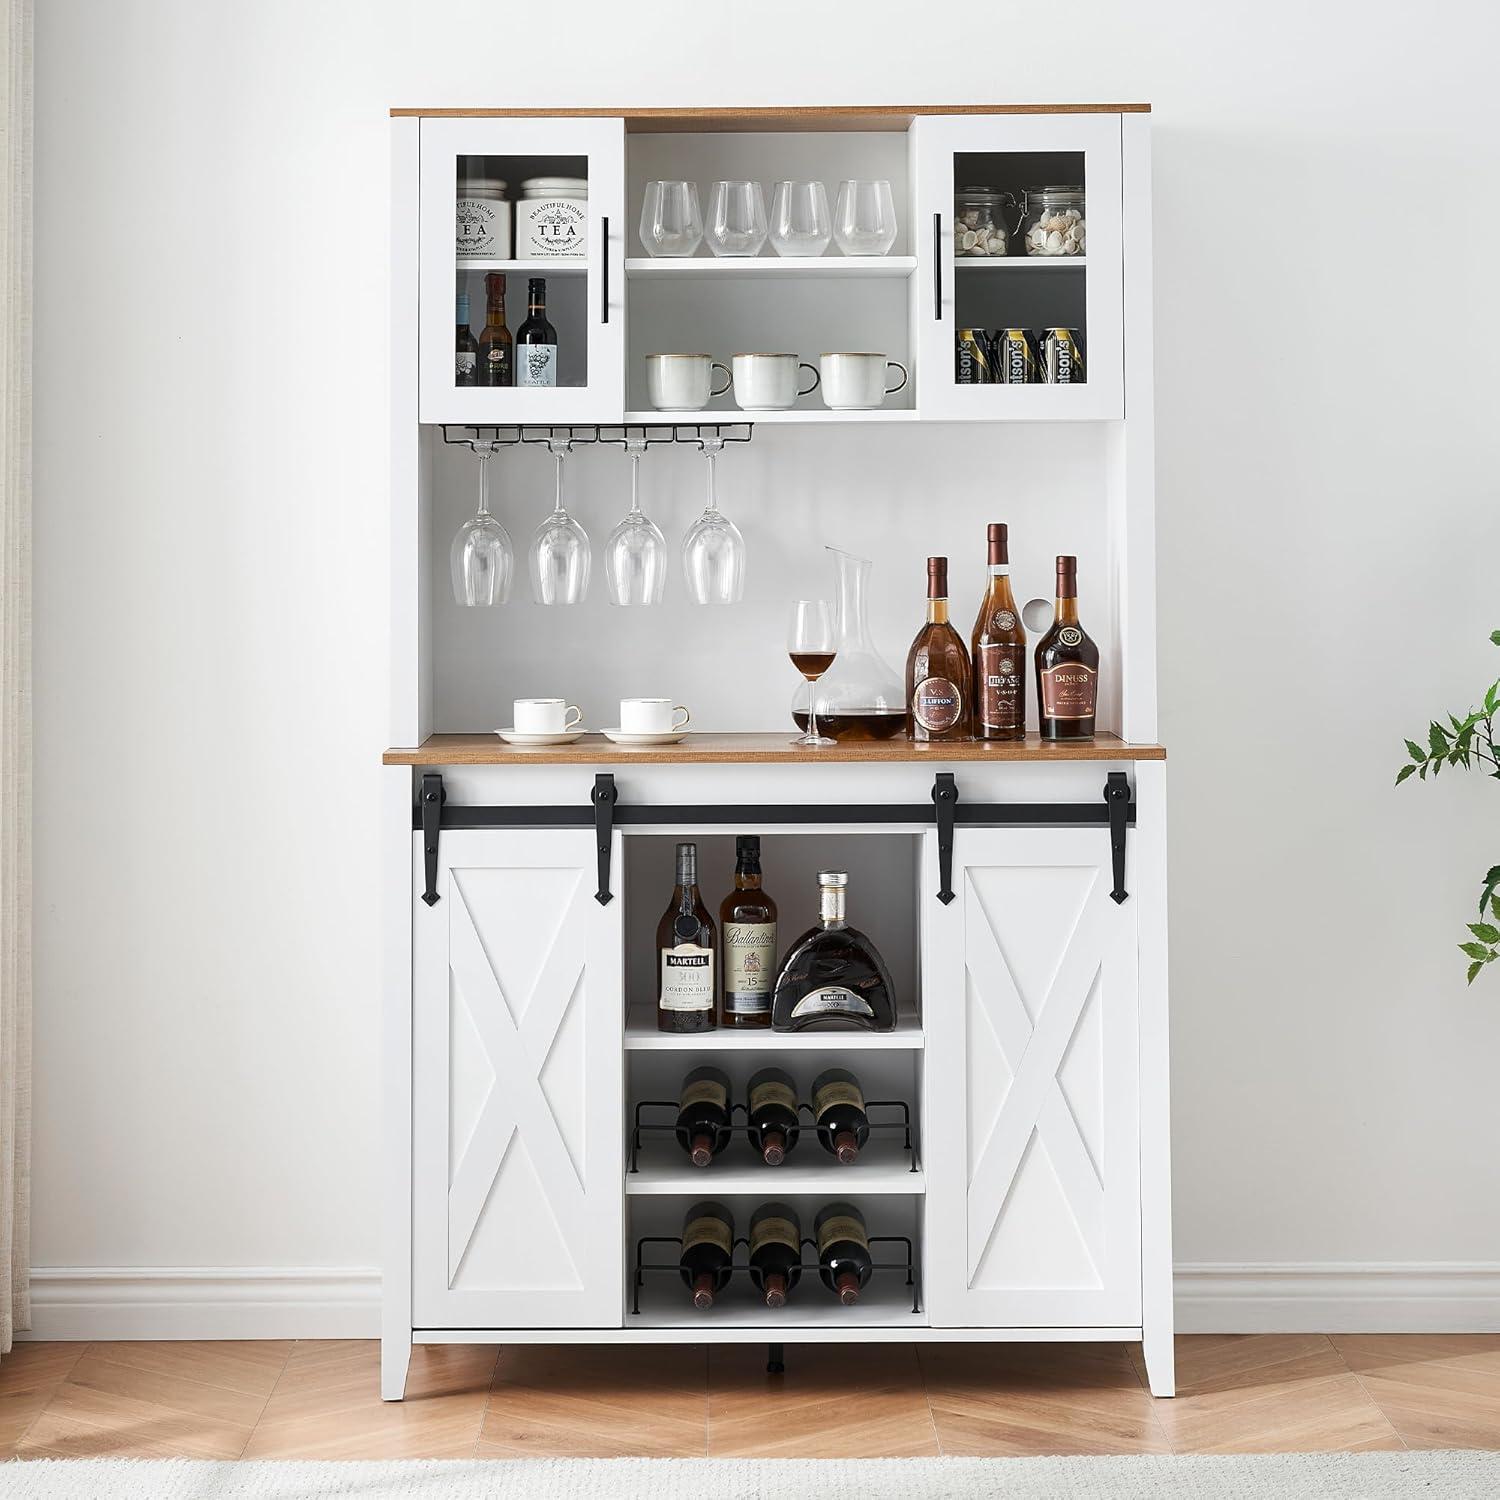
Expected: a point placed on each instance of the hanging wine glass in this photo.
(560, 550)
(713, 551)
(482, 559)
(635, 556)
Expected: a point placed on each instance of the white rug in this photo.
(1298, 1476)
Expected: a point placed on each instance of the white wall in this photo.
(210, 545)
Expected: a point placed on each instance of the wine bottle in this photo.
(536, 339)
(703, 1115)
(747, 928)
(838, 1104)
(772, 1101)
(775, 1251)
(833, 973)
(496, 347)
(465, 349)
(937, 669)
(844, 1262)
(1067, 666)
(999, 651)
(685, 938)
(707, 1251)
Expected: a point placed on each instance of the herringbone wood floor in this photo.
(1283, 1392)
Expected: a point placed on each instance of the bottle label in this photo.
(465, 366)
(687, 978)
(536, 364)
(841, 1227)
(1068, 691)
(832, 999)
(840, 1091)
(937, 703)
(1002, 622)
(773, 1230)
(497, 364)
(1001, 674)
(704, 1091)
(772, 1091)
(708, 1230)
(749, 960)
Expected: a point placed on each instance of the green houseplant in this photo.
(1468, 742)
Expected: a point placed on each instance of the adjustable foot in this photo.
(775, 1363)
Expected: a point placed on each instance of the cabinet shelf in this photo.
(793, 267)
(1020, 262)
(883, 1169)
(558, 267)
(641, 1035)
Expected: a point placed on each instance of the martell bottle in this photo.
(747, 933)
(685, 941)
(465, 349)
(844, 1260)
(833, 973)
(496, 347)
(536, 339)
(999, 648)
(937, 669)
(707, 1251)
(838, 1105)
(775, 1251)
(772, 1101)
(1067, 666)
(703, 1115)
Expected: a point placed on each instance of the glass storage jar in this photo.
(1052, 221)
(979, 222)
(483, 228)
(552, 218)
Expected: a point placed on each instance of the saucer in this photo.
(670, 737)
(515, 737)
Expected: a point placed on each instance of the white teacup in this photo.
(545, 716)
(683, 382)
(856, 382)
(652, 716)
(768, 382)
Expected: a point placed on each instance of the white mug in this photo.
(856, 382)
(545, 716)
(651, 716)
(768, 382)
(683, 382)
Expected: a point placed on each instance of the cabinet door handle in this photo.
(937, 268)
(604, 308)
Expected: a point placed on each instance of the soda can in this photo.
(1015, 358)
(973, 366)
(1062, 363)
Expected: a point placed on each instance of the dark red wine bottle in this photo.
(703, 1115)
(775, 1251)
(844, 1262)
(838, 1103)
(707, 1251)
(772, 1101)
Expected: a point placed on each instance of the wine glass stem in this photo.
(557, 504)
(484, 484)
(713, 493)
(812, 709)
(635, 484)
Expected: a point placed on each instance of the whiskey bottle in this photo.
(833, 973)
(775, 1251)
(496, 347)
(536, 339)
(772, 1101)
(844, 1260)
(707, 1251)
(999, 651)
(703, 1115)
(685, 940)
(937, 669)
(1067, 666)
(465, 349)
(838, 1105)
(747, 935)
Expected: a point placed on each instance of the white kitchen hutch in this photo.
(1018, 891)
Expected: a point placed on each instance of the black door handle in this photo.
(604, 310)
(937, 268)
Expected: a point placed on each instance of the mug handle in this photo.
(681, 723)
(817, 379)
(897, 363)
(728, 380)
(574, 718)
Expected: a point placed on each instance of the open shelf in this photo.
(782, 266)
(886, 1303)
(795, 415)
(641, 1035)
(561, 266)
(883, 1167)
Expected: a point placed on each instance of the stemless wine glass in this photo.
(635, 556)
(736, 218)
(560, 550)
(671, 222)
(481, 558)
(864, 223)
(811, 643)
(800, 223)
(713, 551)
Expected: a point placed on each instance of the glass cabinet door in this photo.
(1018, 299)
(522, 270)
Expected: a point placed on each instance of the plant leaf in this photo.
(1492, 699)
(1476, 951)
(1437, 738)
(1418, 754)
(1495, 637)
(1491, 885)
(1474, 969)
(1403, 773)
(1494, 907)
(1485, 933)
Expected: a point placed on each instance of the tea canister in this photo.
(552, 218)
(484, 213)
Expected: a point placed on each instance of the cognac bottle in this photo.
(833, 973)
(1067, 666)
(775, 1251)
(685, 940)
(999, 651)
(707, 1250)
(937, 669)
(772, 1101)
(844, 1260)
(747, 928)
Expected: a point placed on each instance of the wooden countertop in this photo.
(766, 749)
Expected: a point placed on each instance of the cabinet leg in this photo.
(395, 1357)
(775, 1360)
(1161, 1360)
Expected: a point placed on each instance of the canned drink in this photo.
(1062, 363)
(973, 364)
(1015, 358)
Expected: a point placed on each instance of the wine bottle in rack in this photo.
(775, 1251)
(844, 1261)
(536, 339)
(838, 1104)
(685, 939)
(707, 1251)
(772, 1101)
(747, 932)
(703, 1114)
(465, 346)
(833, 973)
(999, 650)
(1067, 666)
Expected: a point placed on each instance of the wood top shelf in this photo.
(741, 748)
(807, 117)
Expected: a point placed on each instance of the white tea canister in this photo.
(552, 218)
(484, 213)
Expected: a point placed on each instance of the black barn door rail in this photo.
(604, 812)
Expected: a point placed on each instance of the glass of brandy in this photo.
(811, 645)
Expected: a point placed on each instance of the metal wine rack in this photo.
(510, 435)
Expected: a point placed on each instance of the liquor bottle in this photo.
(536, 339)
(747, 929)
(772, 1101)
(1067, 666)
(844, 1261)
(937, 669)
(707, 1251)
(496, 347)
(465, 349)
(703, 1115)
(685, 938)
(775, 1251)
(833, 972)
(838, 1104)
(999, 651)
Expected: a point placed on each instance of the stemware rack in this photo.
(618, 435)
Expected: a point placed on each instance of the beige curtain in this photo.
(15, 674)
